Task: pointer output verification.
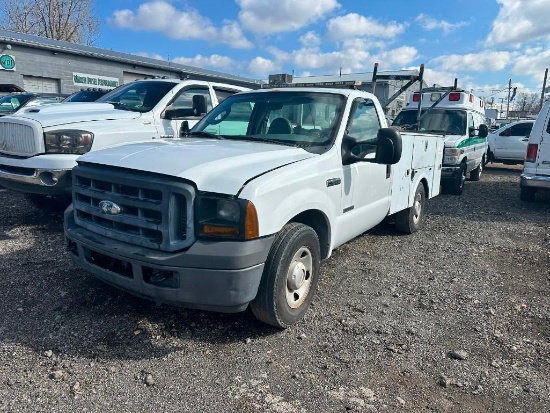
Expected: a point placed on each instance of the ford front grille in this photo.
(142, 209)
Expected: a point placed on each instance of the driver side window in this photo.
(185, 99)
(363, 127)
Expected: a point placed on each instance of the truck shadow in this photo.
(49, 304)
(17, 213)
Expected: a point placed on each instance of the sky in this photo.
(484, 44)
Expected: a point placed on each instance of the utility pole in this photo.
(508, 104)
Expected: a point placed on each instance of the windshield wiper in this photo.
(262, 139)
(442, 132)
(204, 134)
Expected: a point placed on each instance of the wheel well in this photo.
(319, 222)
(426, 187)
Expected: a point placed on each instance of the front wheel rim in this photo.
(299, 277)
(417, 208)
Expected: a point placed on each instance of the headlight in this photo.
(228, 218)
(75, 142)
(452, 155)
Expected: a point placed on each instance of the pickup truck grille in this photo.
(147, 210)
(17, 139)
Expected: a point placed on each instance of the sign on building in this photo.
(102, 82)
(7, 62)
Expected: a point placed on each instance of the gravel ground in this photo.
(453, 318)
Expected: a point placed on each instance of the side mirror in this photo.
(199, 105)
(184, 129)
(387, 144)
(483, 131)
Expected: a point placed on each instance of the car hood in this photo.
(221, 166)
(57, 114)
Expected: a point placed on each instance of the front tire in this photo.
(457, 186)
(412, 219)
(290, 277)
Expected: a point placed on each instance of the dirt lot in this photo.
(454, 318)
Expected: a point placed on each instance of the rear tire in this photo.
(457, 186)
(527, 194)
(476, 173)
(412, 219)
(49, 203)
(290, 277)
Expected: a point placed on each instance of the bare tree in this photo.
(69, 20)
(527, 103)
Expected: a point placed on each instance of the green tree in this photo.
(70, 20)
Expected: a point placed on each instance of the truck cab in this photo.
(459, 117)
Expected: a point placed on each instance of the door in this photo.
(366, 186)
(511, 143)
(40, 84)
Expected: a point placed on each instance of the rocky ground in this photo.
(455, 318)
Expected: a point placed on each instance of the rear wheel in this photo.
(49, 203)
(411, 219)
(476, 173)
(457, 186)
(527, 194)
(290, 277)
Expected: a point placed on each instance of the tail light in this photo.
(532, 149)
(454, 96)
(416, 97)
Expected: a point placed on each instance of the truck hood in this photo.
(221, 166)
(57, 114)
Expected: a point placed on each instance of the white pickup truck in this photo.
(39, 146)
(508, 144)
(243, 209)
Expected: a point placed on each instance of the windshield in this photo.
(305, 119)
(84, 96)
(451, 122)
(10, 103)
(140, 96)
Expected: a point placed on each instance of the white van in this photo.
(460, 117)
(536, 168)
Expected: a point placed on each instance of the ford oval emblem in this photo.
(109, 208)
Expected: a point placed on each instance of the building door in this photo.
(40, 84)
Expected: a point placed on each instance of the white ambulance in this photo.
(460, 117)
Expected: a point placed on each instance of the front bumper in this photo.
(215, 276)
(42, 174)
(535, 181)
(449, 173)
(36, 181)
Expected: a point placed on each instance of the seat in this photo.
(280, 126)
